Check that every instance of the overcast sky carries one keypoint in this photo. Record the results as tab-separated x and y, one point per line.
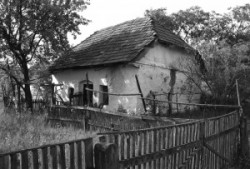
104	13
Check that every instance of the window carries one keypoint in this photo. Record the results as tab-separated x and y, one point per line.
70	92
87	96
104	97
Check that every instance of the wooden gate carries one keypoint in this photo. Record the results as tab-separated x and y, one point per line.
211	143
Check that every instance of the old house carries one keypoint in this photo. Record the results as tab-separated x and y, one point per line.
109	59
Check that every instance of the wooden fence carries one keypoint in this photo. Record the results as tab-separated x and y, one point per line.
95	119
73	154
40	104
211	144
204	144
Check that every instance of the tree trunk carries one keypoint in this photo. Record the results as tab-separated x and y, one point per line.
28	97
27	91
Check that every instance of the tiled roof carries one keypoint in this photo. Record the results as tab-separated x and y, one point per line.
116	44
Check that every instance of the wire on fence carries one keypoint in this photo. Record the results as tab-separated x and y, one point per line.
193	104
165	101
115	94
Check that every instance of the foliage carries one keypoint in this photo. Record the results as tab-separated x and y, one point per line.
33	33
223	41
22	131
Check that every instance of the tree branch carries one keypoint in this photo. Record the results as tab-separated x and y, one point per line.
20	22
12	76
32	55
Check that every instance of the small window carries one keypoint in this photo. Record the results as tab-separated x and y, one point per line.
88	95
104	97
70	92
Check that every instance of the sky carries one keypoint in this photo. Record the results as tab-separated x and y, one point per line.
105	13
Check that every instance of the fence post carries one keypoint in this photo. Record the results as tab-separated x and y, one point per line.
106	156
139	88
243	137
202	140
243	127
53	99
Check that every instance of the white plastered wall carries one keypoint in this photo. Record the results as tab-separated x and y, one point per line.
119	79
154	74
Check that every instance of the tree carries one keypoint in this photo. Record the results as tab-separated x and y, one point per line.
223	40
33	32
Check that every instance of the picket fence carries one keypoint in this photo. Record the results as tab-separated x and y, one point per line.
211	143
72	154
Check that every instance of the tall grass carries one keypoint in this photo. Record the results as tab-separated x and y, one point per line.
22	131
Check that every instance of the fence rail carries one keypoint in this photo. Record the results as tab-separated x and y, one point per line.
72	154
94	119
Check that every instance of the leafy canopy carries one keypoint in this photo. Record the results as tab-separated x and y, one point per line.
34	32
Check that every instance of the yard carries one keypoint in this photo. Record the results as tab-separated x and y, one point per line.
26	131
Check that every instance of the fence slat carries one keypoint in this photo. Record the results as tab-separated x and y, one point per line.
61	156
72	155
53	156
3	162
25	159
89	153
122	146
35	158
79	154
14	161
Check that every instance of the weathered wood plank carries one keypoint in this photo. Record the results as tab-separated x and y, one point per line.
61	156
44	158
14	161
35	158
25	159
72	156
3	162
53	156
122	146
89	153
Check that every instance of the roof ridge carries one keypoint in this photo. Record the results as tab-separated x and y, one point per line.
178	38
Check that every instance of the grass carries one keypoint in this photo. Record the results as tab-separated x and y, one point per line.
22	131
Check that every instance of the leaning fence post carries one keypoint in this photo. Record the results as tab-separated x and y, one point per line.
106	156
139	88
243	136
244	152
202	141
